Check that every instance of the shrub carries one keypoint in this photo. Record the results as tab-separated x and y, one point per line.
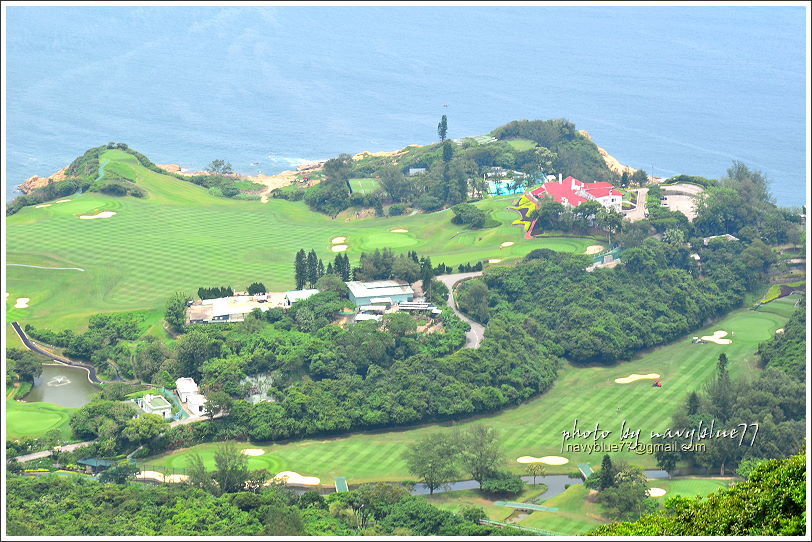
503	483
397	209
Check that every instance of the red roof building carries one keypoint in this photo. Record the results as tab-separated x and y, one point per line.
572	192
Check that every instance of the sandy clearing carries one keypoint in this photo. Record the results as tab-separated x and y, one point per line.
656	492
22	303
175	478
494	260
42	205
252	451
717	337
150	474
507	244
339	248
593	249
294	478
103	214
337	240
399	230
62	201
634	377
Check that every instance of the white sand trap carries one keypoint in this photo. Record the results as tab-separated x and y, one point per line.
634	377
252	451
41	206
340	248
656	492
151	475
62	201
717	337
294	478
399	230
103	214
507	244
547	459
494	260
778	331
175	478
22	303
337	240
593	249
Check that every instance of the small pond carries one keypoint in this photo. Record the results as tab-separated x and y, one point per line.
62	385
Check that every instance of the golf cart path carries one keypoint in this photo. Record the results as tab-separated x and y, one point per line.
477	331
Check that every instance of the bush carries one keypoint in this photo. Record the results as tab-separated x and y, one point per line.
397	209
503	483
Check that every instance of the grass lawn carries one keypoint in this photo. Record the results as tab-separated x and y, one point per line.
575	514
453	501
34	419
689	486
534	428
364	186
181	238
522	144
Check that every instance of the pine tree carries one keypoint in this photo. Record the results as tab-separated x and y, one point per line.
320	269
442	128
301	269
330	269
607	476
312	268
692	407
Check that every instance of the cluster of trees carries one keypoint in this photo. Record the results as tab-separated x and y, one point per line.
465	213
639	178
773	401
308	268
74	506
332	194
787	351
622	490
436	460
23	366
609	314
215	292
553	215
771	502
104	344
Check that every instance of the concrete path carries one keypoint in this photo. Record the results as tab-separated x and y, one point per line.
474	336
639	212
46	453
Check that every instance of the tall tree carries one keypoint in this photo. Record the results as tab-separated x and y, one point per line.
607	476
442	128
312	268
301	269
480	451
432	459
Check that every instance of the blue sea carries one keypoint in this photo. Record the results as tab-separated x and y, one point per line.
667	89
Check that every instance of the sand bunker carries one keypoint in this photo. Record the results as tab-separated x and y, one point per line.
252	451
340	248
103	214
494	260
62	201
399	230
633	377
294	478
656	492
41	206
507	244
547	459
717	337
778	331
22	303
593	249
337	240
175	478
159	477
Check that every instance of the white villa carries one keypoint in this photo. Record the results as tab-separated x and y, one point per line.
155	404
189	393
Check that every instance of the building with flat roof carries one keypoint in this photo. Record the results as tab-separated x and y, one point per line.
232	309
363	293
293	296
189	393
155	404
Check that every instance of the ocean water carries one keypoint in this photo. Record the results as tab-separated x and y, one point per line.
667	89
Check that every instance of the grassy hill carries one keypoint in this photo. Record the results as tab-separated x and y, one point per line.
179	237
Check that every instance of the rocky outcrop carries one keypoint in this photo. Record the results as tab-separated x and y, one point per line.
35	181
611	162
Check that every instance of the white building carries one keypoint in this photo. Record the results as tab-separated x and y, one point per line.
196	404
385	292
189	393
293	296
155	404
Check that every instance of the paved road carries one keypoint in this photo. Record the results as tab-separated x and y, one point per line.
639	212
34	347
46	453
474	336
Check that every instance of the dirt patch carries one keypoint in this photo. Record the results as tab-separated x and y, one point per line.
717	337
635	377
593	249
339	248
103	214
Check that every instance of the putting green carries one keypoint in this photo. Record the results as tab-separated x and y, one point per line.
180	238
33	419
207	451
535	427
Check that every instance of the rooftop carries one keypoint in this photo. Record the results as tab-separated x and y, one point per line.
156	402
380	288
186	385
298	295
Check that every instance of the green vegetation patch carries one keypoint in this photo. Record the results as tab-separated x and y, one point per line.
364	186
522	144
35	419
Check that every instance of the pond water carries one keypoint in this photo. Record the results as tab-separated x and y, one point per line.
62	385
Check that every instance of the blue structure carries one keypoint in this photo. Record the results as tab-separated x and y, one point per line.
502	188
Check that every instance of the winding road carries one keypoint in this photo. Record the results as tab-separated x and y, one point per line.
34	347
477	331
